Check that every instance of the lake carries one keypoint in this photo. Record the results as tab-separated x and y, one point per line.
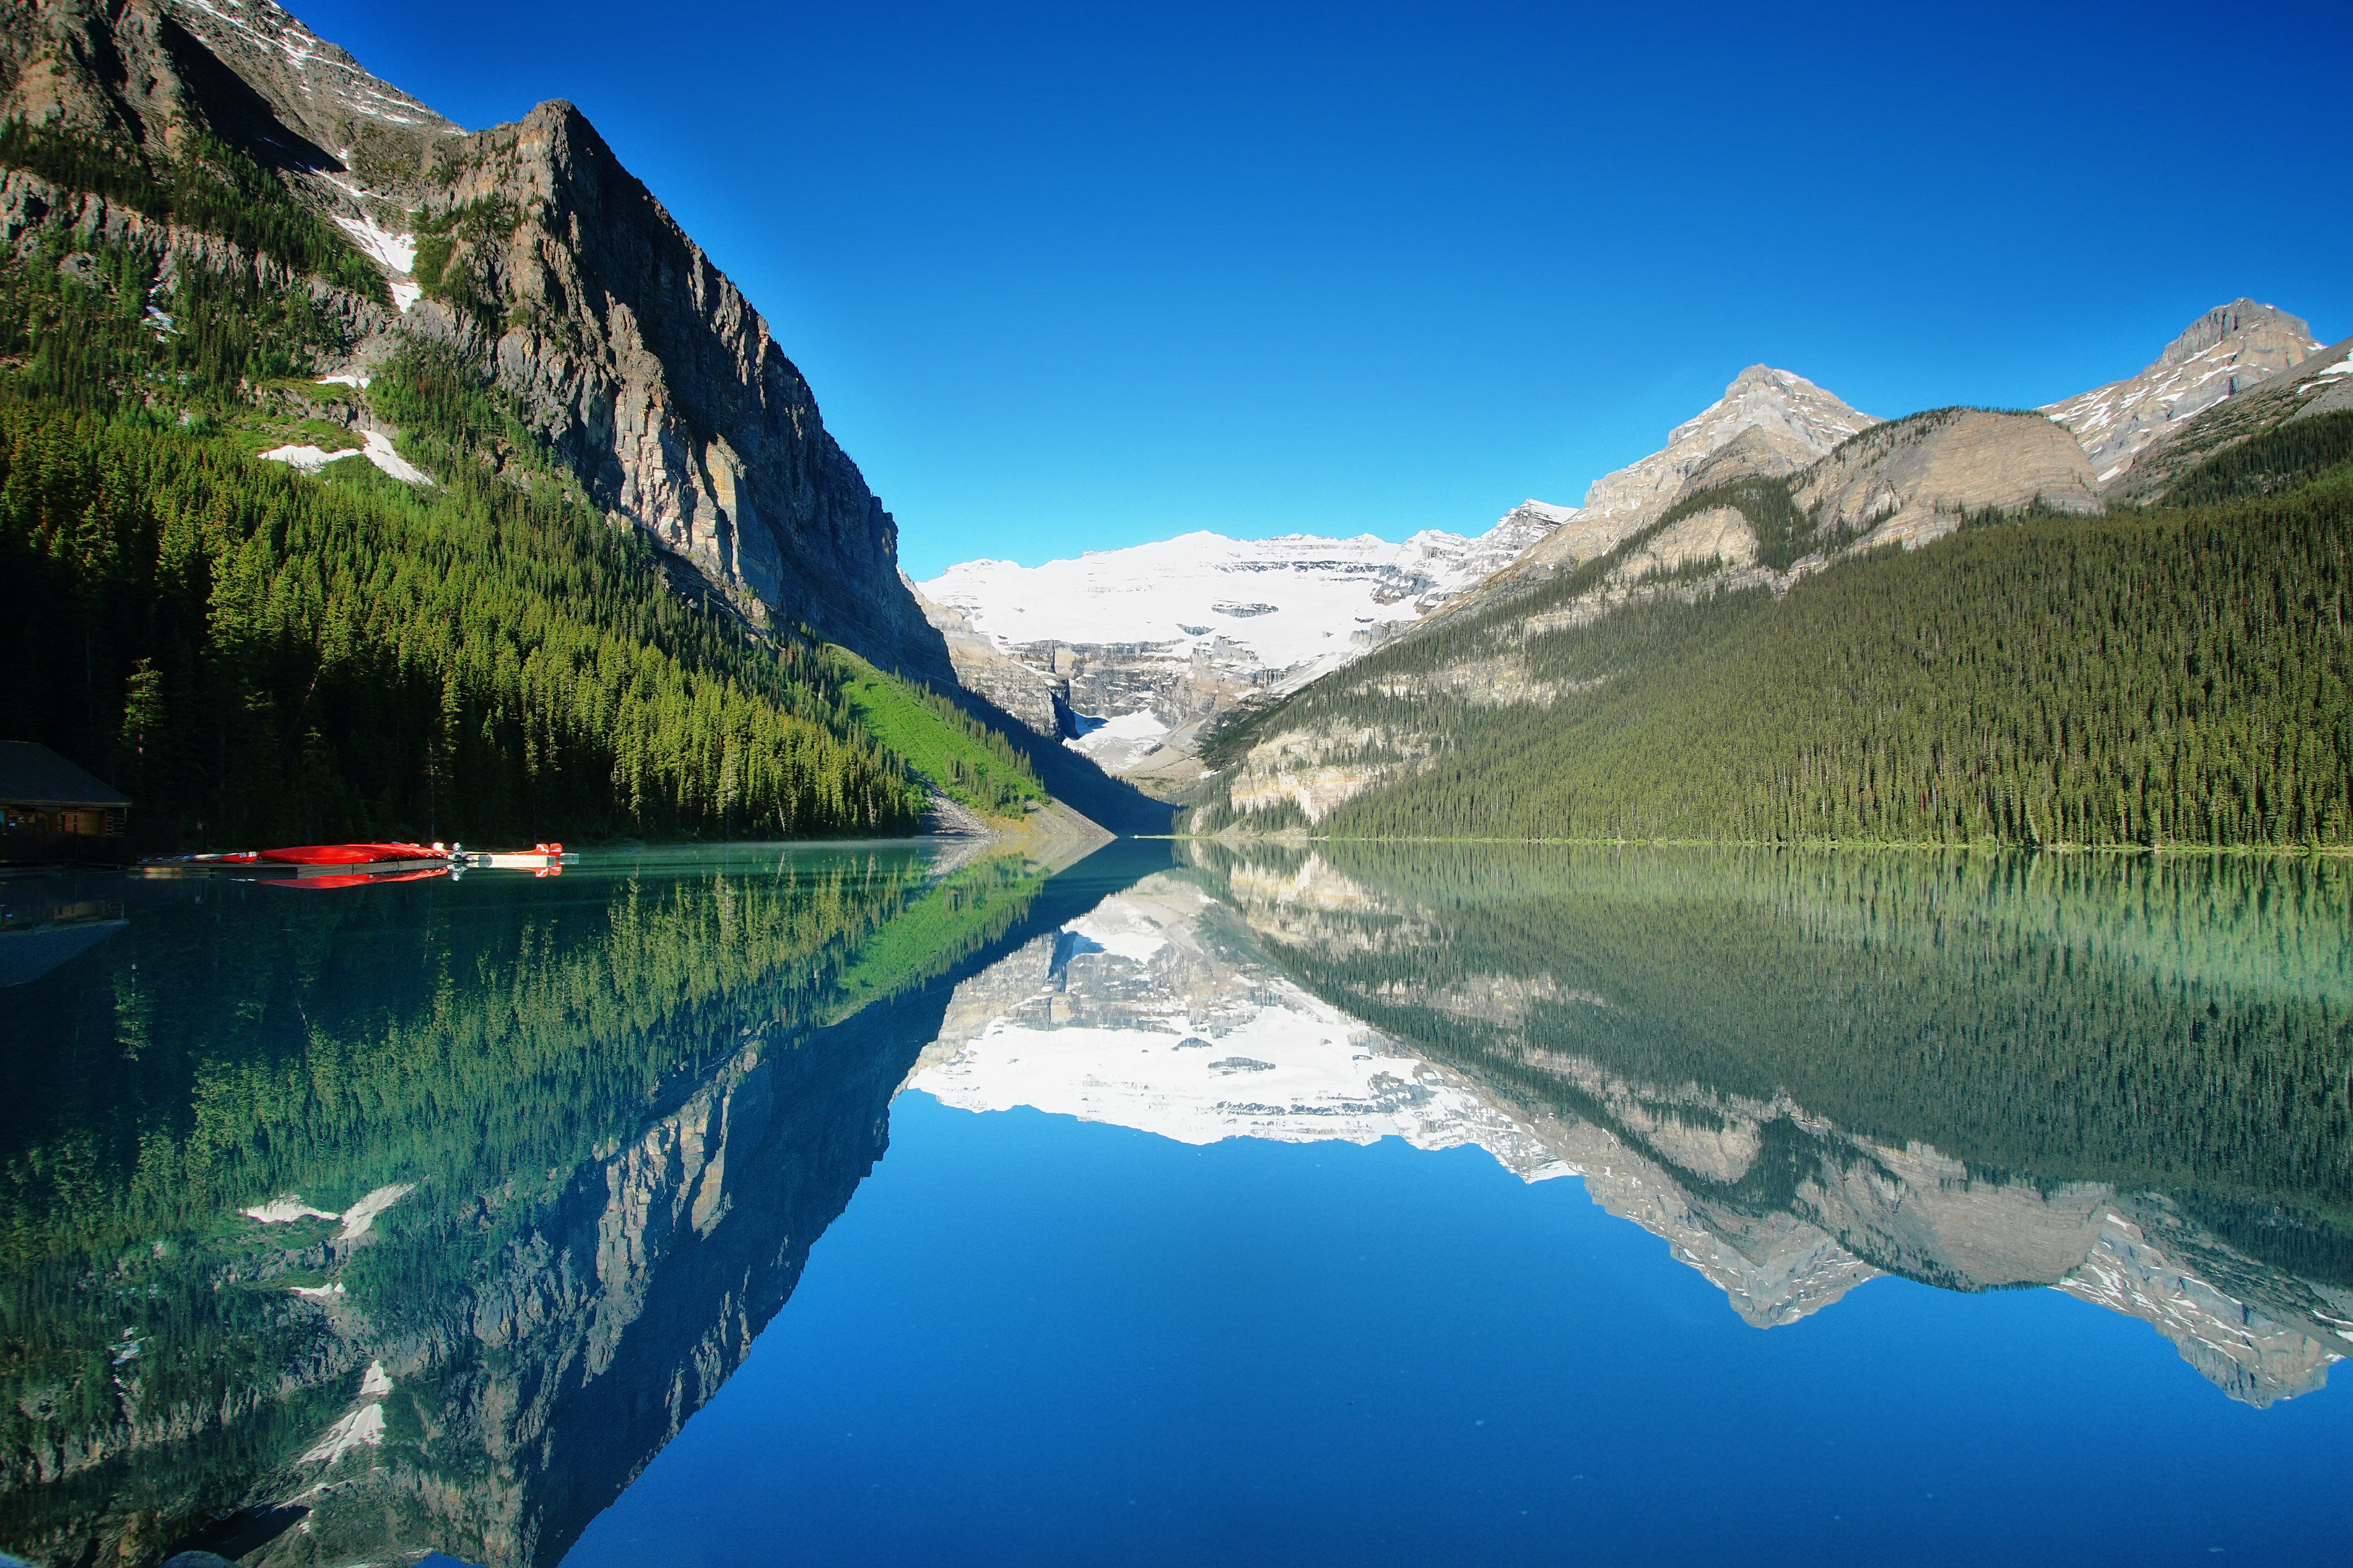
1377	1204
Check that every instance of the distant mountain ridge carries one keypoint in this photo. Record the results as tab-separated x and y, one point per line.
1652	683
1769	424
1156	638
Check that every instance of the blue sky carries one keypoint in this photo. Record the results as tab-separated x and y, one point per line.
1074	278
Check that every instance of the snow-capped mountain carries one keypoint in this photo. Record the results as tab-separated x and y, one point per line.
1127	651
2228	349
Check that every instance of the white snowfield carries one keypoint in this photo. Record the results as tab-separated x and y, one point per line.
1301	603
378	448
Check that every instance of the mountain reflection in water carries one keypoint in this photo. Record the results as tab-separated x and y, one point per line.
2123	1078
423	1217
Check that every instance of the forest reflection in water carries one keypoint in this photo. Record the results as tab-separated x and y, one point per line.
426	1216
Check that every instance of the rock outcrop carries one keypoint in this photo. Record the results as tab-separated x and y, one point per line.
2231	349
647	371
1914	480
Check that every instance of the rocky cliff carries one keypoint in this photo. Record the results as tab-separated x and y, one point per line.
529	252
647	371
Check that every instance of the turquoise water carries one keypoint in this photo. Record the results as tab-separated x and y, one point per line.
861	1205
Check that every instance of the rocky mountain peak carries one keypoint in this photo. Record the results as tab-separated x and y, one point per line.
1780	421
313	85
1782	404
2228	349
2241	319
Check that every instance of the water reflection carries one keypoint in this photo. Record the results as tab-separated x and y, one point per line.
343	1227
2125	1079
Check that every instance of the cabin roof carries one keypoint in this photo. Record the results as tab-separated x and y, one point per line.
32	774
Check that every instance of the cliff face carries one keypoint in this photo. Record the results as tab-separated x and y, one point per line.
648	371
1914	480
545	264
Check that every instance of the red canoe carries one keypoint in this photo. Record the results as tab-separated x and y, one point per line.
352	854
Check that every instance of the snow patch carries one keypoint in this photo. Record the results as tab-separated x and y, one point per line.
393	252
363	1428
309	459
380	453
361	1216
349	378
285	1208
378	450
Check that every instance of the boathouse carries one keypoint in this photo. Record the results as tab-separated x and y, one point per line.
51	809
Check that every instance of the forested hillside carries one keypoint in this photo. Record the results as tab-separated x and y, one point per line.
2174	676
258	654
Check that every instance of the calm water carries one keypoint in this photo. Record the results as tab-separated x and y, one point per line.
858	1205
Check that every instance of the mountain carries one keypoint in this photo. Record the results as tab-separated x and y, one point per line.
530	251
2229	350
1750	654
2321	386
583	428
1126	653
1767	421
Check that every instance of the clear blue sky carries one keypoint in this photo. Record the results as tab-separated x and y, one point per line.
1074	278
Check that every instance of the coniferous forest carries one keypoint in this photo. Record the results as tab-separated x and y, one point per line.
254	654
2181	675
